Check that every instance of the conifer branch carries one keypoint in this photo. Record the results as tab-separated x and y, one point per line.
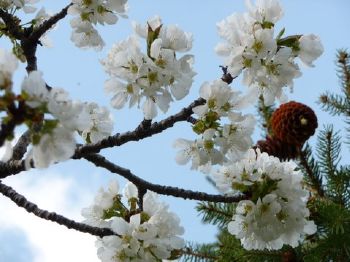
328	150
30	207
310	168
216	213
334	104
265	113
343	59
200	253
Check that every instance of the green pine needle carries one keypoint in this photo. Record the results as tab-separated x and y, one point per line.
216	213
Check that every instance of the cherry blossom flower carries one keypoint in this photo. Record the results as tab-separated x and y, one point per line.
90	13
156	78
268	65
152	234
277	213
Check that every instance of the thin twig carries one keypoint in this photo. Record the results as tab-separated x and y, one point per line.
46	25
21	201
29	44
101	161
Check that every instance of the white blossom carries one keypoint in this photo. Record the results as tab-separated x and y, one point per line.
130	191
57	146
155	78
148	235
25	5
71	114
6	151
265	10
35	87
101	123
236	136
268	65
310	49
84	35
220	98
217	142
8	64
276	215
94	214
67	116
90	13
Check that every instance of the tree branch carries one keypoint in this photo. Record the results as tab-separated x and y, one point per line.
30	207
46	25
145	129
141	132
101	161
12	25
11	167
21	146
29	44
6	130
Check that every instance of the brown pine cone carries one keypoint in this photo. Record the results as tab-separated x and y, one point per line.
293	123
278	148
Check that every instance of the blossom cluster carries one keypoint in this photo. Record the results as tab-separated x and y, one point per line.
52	117
158	76
267	62
217	142
150	234
8	65
90	13
276	214
25	5
57	140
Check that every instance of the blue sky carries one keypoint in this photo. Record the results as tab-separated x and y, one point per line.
69	186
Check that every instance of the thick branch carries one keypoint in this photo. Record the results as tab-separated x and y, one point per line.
6	129
21	146
21	201
141	132
100	161
12	25
11	167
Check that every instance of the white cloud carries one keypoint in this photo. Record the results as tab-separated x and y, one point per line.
49	241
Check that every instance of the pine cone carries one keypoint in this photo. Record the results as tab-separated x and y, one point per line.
293	123
278	148
289	256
